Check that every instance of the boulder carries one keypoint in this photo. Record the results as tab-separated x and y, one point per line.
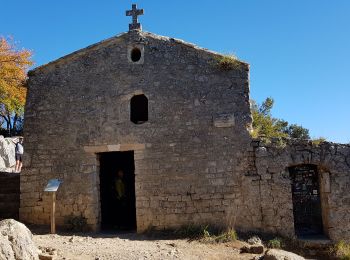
254	241
7	151
2	164
16	241
255	246
6	252
277	254
253	249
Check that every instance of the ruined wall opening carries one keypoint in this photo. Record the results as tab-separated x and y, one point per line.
306	200
139	109
117	191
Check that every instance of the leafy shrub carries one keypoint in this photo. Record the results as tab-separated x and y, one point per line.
275	243
318	141
76	223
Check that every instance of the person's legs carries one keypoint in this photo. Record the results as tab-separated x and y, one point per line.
18	161
20	166
17	165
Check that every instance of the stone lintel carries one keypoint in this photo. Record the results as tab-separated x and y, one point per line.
113	148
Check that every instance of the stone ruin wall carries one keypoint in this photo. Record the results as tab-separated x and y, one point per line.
267	196
187	156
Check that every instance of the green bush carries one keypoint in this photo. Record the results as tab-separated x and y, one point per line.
76	223
318	141
275	243
265	126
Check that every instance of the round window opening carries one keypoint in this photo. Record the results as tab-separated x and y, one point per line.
135	54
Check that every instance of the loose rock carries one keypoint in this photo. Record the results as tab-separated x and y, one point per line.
277	254
253	249
16	241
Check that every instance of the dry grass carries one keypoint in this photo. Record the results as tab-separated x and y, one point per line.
342	250
228	62
207	234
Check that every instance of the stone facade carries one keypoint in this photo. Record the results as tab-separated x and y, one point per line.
195	161
187	156
268	198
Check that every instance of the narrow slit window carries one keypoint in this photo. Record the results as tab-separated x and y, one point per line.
139	109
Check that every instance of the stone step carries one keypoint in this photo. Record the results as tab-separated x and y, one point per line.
8	175
316	247
9	211
4	205
7	215
9	189
9	197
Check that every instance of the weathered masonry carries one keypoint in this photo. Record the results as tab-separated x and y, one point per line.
298	189
163	105
163	117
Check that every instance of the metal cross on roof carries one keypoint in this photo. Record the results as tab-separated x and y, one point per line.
135	25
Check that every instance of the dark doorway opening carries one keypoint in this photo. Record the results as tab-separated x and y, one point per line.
118	203
306	200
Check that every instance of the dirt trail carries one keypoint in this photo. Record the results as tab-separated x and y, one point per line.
133	246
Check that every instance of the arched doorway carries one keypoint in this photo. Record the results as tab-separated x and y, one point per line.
306	200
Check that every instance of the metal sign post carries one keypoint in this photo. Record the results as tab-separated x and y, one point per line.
52	187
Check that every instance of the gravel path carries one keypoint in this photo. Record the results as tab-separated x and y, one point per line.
133	246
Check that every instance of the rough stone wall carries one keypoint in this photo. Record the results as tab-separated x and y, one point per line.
187	156
268	197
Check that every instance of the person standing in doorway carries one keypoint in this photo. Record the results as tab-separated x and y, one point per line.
120	186
121	199
19	150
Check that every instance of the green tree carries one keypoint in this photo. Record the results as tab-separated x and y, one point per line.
297	131
265	125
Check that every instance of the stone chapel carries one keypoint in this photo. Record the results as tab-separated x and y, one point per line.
164	112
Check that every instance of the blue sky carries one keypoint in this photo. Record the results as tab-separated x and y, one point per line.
299	51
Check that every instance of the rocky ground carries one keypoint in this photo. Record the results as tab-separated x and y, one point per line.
18	242
133	246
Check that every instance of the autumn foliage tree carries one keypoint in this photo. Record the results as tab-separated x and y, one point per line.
13	68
